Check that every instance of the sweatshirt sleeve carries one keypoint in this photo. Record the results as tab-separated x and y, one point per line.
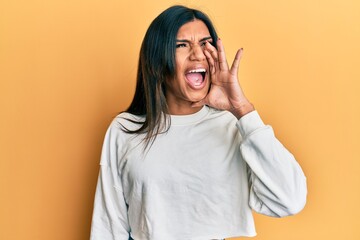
110	221
277	182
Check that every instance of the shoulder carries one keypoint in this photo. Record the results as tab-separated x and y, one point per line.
119	131
121	127
118	139
126	121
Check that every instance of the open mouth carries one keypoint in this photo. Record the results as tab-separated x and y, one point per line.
196	77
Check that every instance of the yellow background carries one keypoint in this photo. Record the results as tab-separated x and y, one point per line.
67	67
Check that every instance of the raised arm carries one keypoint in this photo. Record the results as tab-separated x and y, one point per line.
277	182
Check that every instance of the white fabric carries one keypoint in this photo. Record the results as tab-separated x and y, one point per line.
198	181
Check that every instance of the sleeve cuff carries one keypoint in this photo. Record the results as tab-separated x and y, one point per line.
249	123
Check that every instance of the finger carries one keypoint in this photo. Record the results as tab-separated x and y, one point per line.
210	61
236	63
222	57
212	50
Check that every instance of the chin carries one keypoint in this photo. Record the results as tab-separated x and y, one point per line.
198	97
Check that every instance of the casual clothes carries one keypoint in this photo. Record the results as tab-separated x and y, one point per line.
197	181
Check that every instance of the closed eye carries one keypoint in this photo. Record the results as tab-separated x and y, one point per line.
180	45
204	43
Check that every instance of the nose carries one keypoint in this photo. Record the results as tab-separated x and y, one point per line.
197	53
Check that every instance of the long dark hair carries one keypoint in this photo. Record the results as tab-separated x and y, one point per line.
156	63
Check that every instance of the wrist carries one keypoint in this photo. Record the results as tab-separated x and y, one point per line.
242	109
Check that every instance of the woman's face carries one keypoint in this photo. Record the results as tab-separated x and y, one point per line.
191	82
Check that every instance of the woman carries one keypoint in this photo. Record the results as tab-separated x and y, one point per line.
190	158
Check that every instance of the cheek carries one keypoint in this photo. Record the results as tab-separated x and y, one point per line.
180	60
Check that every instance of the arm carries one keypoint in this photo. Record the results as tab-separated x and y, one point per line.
109	221
277	183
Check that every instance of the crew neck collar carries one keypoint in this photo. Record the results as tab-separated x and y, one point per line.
178	120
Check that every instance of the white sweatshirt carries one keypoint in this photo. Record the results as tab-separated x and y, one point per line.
198	181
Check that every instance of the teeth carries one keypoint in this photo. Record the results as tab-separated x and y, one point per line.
201	70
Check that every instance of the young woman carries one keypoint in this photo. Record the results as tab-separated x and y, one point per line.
190	158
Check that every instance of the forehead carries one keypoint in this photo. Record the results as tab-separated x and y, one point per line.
193	29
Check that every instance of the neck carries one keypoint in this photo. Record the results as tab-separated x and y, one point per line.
181	109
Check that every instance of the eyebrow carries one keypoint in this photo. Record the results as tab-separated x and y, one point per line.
201	40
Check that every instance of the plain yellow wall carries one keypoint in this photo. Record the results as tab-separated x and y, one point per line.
67	67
